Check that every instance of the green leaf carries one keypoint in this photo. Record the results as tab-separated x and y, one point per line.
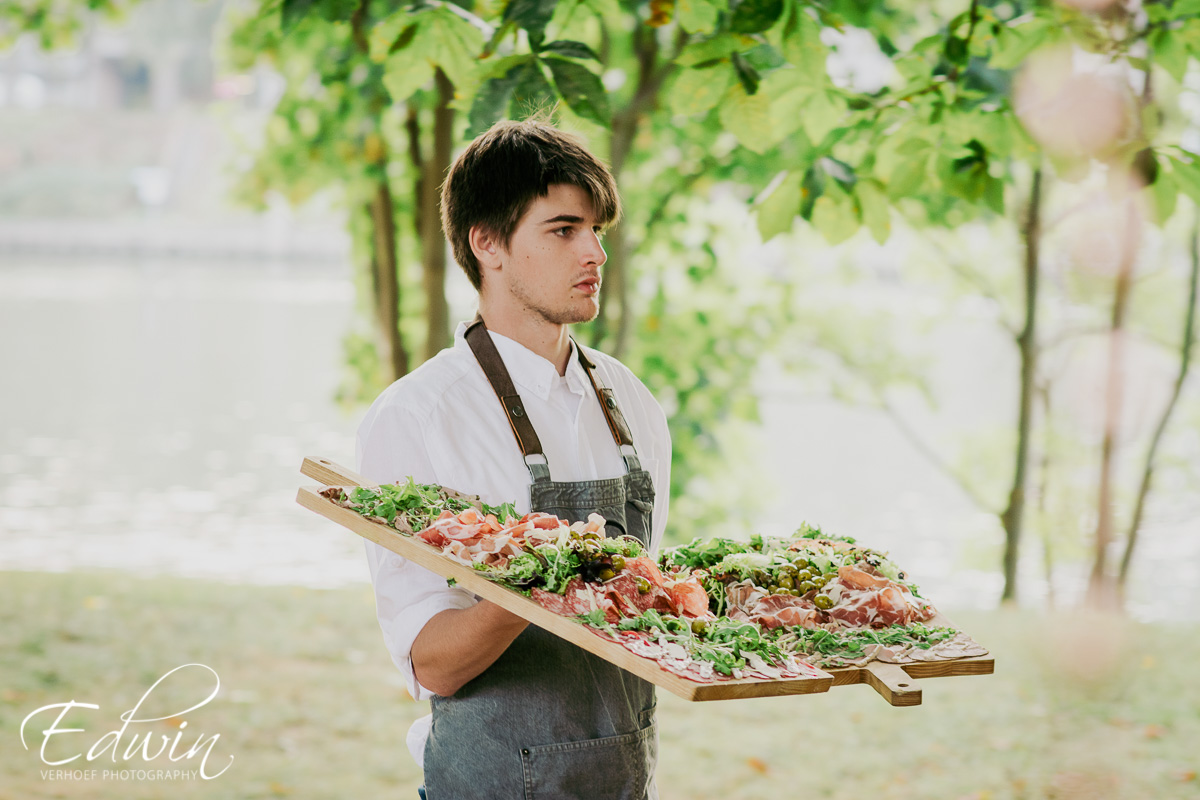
491	100
697	16
747	74
1164	192
295	10
697	90
811	188
1170	53
452	43
1014	43
1187	176
1185	8
571	49
874	205
777	211
754	16
406	71
748	117
833	215
993	194
910	176
582	90
532	15
532	92
822	112
705	50
799	41
787	106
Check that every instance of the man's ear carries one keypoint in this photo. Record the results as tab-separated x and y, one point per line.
485	247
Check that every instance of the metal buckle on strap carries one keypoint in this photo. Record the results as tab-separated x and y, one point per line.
538	466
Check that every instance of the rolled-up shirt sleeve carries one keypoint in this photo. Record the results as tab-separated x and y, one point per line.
391	447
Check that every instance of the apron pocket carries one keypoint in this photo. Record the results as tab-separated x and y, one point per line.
612	768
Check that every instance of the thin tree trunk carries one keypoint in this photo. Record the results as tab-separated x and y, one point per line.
1185	360
433	248
1043	394
615	309
1013	515
1101	586
392	356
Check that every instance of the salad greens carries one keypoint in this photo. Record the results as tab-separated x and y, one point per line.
723	642
416	503
832	648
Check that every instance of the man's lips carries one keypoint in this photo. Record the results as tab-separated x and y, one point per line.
588	285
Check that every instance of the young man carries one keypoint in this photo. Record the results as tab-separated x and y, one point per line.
516	411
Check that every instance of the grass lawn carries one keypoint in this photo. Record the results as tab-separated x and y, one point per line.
310	705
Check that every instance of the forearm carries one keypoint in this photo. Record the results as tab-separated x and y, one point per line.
456	645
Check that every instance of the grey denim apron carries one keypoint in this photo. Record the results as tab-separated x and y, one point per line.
548	719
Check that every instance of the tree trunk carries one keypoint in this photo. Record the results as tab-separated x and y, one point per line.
615	316
433	248
392	357
1013	515
1101	591
1043	395
1185	359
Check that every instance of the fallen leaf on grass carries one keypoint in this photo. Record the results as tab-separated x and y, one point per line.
758	765
1185	775
1153	731
280	790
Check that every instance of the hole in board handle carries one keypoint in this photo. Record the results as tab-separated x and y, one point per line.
902	685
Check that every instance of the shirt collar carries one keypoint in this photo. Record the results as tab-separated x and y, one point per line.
528	369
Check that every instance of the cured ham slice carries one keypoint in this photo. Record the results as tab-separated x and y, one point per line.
689	596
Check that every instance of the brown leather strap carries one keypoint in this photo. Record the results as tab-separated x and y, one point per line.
608	404
497	374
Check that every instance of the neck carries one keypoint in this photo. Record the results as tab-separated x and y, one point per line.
547	339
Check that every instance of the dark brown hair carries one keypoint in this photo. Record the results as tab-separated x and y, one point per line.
494	181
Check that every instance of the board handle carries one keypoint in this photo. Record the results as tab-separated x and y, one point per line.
331	474
893	684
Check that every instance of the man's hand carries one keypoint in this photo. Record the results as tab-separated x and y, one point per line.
458	644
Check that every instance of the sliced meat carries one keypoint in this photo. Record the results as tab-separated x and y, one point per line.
690	597
777	610
646	568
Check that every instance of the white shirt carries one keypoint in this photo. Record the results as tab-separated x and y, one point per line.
443	424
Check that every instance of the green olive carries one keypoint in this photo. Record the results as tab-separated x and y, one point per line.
806	586
821	580
823	602
643	585
618	562
606	574
804	575
786	582
699	626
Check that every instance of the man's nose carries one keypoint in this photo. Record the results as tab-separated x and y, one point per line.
594	250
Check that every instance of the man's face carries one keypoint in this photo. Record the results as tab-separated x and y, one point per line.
552	265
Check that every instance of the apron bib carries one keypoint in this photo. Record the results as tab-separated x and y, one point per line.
549	719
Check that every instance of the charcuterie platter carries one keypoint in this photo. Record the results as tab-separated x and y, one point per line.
659	620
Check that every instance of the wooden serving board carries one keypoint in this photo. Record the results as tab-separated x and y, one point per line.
431	558
892	681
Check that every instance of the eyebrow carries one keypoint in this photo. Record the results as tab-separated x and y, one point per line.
563	218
